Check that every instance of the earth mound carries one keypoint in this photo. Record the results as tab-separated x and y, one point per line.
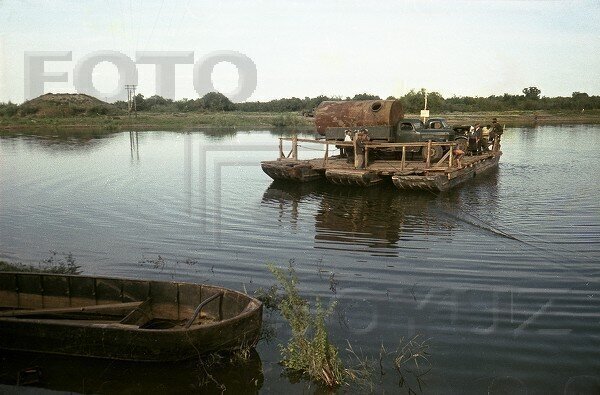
67	104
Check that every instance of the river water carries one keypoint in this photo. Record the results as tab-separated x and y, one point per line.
500	277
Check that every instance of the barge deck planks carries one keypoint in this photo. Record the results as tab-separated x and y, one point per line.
413	175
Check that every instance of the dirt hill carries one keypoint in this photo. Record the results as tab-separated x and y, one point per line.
66	105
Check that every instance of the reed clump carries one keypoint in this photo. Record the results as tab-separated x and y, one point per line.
308	351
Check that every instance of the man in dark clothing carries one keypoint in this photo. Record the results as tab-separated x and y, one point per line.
362	137
478	133
496	131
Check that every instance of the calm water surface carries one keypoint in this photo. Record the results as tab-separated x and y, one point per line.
501	275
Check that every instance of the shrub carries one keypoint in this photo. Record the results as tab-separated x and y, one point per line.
285	120
8	109
97	110
27	110
309	351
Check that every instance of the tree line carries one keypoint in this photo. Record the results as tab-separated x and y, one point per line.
413	101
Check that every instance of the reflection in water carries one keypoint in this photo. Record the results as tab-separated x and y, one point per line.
99	376
217	134
134	146
287	196
58	139
376	219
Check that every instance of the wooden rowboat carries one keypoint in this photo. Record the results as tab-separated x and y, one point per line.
123	319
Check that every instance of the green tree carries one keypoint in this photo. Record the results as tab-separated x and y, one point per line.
532	93
435	101
413	101
140	103
215	101
366	96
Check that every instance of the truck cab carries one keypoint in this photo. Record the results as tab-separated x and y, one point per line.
414	130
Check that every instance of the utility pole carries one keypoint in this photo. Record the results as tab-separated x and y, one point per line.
425	111
131	105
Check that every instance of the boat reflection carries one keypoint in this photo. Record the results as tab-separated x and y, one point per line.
99	376
379	220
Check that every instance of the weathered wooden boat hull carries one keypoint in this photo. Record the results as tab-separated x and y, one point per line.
445	181
404	174
352	177
89	316
290	171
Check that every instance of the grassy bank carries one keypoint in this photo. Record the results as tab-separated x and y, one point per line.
102	124
155	121
525	118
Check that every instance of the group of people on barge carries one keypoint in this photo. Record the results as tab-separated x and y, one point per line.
480	138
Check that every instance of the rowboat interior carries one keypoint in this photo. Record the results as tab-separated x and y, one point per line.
134	304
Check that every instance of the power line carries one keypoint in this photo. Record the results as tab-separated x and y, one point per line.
131	105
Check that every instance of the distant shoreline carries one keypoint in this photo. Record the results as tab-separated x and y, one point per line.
148	121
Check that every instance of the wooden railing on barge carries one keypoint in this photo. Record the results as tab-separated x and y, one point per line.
449	157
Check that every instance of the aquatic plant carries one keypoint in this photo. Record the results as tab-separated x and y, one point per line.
308	351
55	264
270	298
411	361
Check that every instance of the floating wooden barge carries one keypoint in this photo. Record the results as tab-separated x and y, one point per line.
123	319
383	161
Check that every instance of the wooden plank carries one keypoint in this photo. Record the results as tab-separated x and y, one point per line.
108	291
83	290
403	163
101	308
295	147
9	290
56	292
443	158
355	145
281	154
30	290
370	144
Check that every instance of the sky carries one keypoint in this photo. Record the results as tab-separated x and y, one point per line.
326	47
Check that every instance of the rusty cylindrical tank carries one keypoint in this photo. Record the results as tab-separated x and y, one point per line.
355	113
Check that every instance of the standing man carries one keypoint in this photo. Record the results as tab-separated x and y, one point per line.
478	138
361	138
495	132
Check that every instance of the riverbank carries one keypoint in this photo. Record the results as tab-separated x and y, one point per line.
260	120
153	121
526	118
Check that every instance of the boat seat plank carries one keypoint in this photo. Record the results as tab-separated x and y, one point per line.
116	308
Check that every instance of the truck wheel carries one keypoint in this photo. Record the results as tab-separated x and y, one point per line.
436	153
462	144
